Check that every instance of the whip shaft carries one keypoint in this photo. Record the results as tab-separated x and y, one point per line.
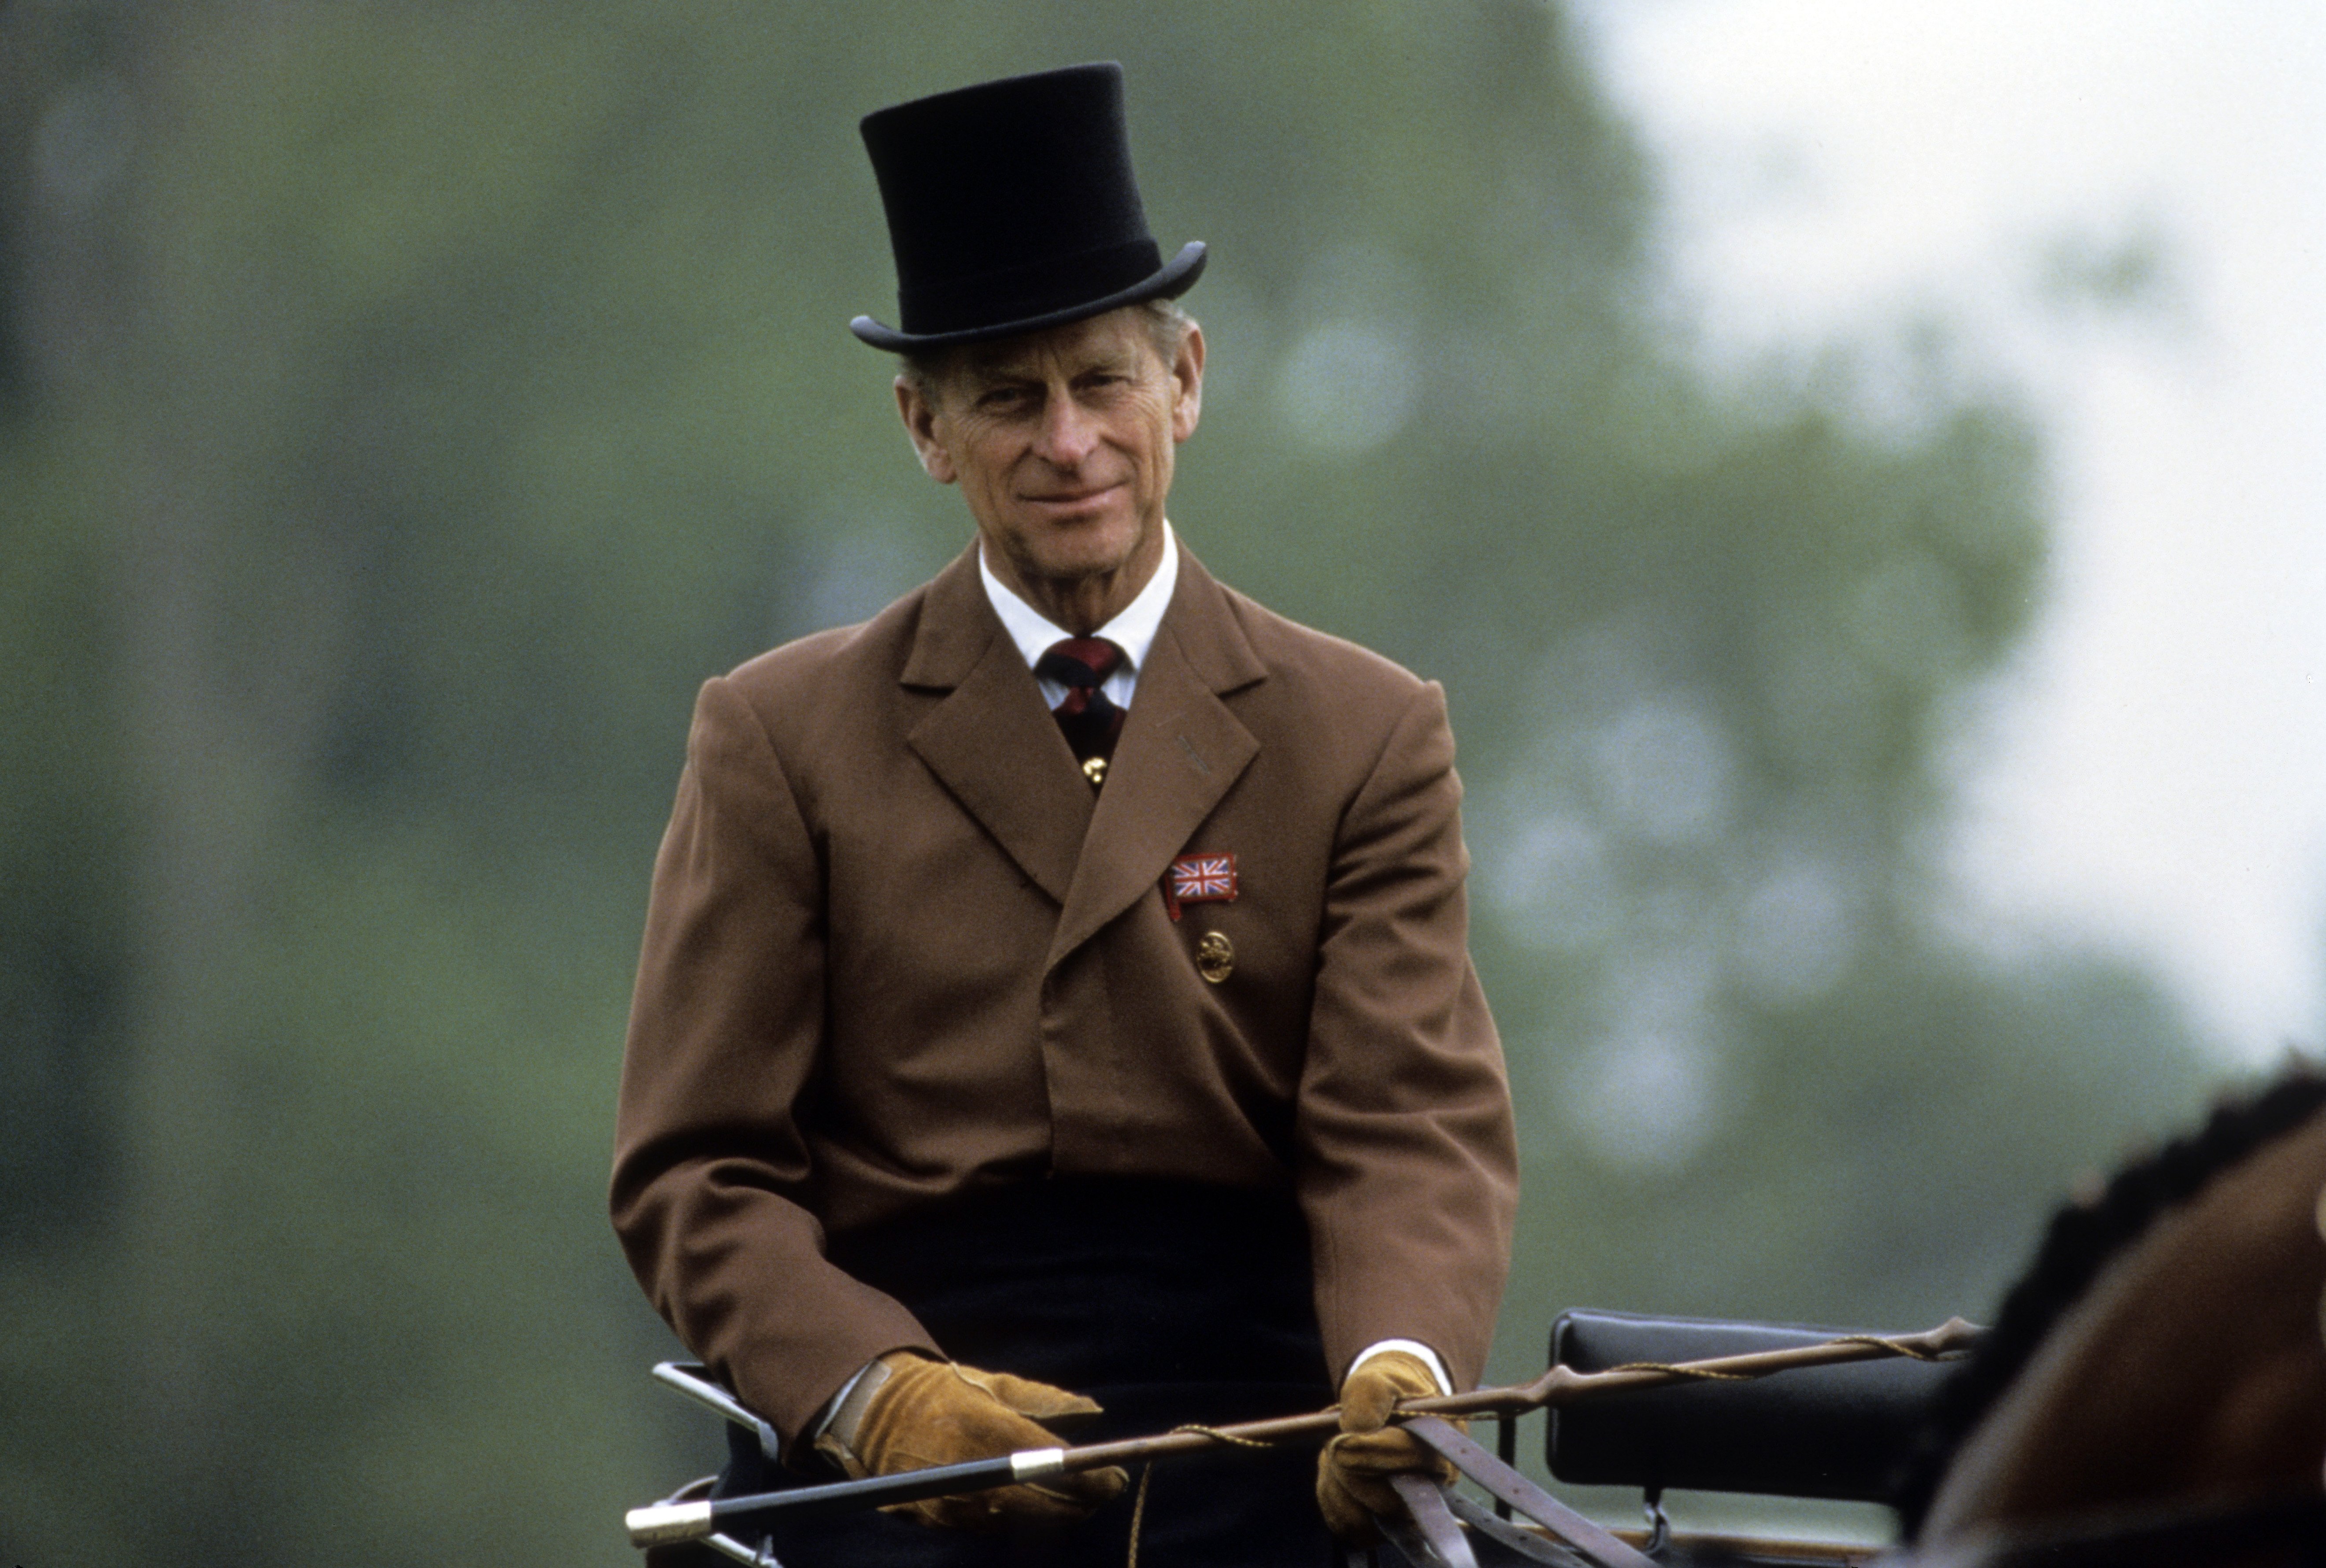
665	1524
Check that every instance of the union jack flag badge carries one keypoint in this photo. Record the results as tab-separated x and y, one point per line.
1199	879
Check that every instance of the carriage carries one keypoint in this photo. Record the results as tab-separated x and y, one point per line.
2152	1394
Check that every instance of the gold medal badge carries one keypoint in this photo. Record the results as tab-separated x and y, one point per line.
1215	957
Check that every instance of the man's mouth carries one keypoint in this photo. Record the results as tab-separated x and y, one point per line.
1070	498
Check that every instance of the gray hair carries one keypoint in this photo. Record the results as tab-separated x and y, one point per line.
926	372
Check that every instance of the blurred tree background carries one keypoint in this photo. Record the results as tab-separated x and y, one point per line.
402	407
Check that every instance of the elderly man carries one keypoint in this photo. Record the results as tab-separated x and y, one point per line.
1055	1016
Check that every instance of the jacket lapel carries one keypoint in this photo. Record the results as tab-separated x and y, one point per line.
1180	751
990	741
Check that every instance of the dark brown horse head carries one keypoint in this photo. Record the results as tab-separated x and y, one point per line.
2186	1370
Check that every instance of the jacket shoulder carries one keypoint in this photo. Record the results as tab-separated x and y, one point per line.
1309	661
817	666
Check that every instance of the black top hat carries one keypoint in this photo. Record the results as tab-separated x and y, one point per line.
1011	208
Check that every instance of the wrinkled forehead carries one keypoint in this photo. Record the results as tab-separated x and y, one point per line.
1117	338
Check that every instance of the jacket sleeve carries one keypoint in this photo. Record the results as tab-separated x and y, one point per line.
1408	1156
710	1171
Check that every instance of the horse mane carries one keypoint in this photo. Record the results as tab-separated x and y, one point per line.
2081	1239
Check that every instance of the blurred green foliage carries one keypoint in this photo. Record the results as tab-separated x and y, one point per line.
408	406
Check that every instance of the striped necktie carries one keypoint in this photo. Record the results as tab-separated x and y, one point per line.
1088	717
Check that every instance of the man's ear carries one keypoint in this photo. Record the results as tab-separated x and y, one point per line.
1187	378
920	416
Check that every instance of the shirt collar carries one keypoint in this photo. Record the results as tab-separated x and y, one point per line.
1133	631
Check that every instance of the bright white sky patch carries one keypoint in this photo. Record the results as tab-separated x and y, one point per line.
2153	775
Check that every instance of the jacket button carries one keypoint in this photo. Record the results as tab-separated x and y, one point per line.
1215	957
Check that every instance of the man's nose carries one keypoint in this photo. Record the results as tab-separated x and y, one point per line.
1068	433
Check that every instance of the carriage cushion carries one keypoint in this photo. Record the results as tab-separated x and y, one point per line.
1821	1432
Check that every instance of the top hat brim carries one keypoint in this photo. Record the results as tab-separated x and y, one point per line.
1173	278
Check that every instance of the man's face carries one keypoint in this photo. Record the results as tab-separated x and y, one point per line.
1062	443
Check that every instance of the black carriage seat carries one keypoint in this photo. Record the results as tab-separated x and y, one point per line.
1821	1432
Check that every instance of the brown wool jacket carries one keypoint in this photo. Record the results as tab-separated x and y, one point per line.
897	947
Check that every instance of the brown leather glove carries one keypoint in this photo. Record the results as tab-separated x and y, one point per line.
930	1412
1354	1469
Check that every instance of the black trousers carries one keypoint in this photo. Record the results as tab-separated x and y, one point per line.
1168	1302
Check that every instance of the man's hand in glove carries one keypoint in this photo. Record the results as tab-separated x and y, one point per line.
1353	1472
926	1412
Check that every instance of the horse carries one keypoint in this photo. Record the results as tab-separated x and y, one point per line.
2155	1386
